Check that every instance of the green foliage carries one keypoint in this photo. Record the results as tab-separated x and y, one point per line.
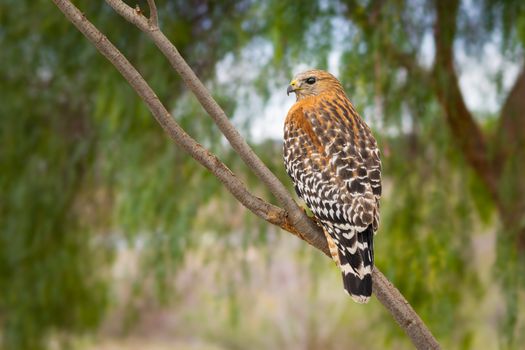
85	169
78	154
49	276
430	248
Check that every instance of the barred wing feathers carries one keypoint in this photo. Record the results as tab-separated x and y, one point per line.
333	160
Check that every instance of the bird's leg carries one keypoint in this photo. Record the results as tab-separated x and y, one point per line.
311	217
333	248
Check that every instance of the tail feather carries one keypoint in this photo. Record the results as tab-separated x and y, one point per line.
359	290
357	267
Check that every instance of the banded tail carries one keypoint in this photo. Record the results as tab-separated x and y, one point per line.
353	252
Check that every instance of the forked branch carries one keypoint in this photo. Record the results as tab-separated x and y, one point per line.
153	16
293	219
261	208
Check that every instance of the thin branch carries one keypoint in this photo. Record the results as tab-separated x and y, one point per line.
386	293
271	213
296	214
153	16
397	305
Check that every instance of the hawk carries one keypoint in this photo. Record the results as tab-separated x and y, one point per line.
333	160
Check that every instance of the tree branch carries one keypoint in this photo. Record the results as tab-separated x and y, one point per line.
271	213
509	160
153	16
511	129
296	214
386	293
467	133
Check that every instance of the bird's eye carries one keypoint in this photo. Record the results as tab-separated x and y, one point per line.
310	80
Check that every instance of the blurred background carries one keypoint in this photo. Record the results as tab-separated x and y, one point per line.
112	238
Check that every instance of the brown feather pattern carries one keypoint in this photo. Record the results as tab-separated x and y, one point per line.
333	160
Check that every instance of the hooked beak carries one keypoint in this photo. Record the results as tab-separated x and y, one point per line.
292	87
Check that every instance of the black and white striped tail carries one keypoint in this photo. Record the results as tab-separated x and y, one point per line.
357	264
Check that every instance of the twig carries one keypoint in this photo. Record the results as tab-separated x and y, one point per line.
153	16
386	293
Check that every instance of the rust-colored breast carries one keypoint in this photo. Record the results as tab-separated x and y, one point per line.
299	124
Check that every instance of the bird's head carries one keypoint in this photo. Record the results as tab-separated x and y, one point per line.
313	83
